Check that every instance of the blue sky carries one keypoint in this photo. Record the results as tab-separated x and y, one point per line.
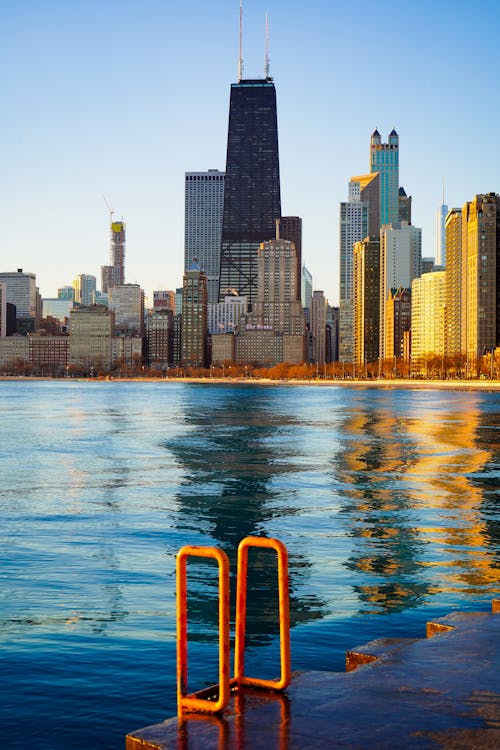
121	98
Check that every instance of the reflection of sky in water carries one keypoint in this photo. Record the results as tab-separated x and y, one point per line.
387	501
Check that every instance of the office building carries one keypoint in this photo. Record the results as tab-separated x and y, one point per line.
66	292
203	204
159	338
404	202
384	159
400	263
126	301
84	286
3	310
164	299
194	317
91	337
318	327
56	308
441	215
366	300
21	291
290	228
252	201
359	218
306	288
225	317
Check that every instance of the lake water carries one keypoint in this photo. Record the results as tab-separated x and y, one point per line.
387	500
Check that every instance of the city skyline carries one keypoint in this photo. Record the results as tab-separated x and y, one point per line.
85	119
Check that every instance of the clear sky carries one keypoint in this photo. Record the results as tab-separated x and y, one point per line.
121	98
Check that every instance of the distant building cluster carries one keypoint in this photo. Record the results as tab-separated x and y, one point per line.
248	299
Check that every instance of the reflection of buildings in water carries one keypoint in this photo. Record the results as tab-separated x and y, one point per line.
387	550
396	471
229	463
452	454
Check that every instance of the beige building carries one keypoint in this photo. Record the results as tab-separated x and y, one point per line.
14	350
366	300
91	337
428	305
274	331
223	348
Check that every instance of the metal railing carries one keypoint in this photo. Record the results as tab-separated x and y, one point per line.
203	701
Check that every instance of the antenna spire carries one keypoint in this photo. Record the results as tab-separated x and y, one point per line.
240	60
266	59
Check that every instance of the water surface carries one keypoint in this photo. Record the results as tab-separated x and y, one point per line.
387	501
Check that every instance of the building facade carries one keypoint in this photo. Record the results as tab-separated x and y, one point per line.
203	205
428	327
84	286
384	159
126	301
319	307
91	337
366	300
194	318
21	291
400	263
252	201
225	317
454	339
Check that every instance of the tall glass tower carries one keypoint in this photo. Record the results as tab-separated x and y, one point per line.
384	158
252	200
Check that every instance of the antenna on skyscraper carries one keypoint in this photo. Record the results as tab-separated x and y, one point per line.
240	60
266	59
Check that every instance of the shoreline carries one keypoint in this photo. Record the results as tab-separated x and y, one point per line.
492	385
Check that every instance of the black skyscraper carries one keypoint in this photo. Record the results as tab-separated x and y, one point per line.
252	189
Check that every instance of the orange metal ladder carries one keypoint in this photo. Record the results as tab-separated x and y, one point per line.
197	702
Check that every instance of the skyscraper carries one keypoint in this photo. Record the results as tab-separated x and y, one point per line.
454	339
441	234
84	285
194	317
203	203
366	300
428	297
290	228
252	201
384	158
359	218
118	251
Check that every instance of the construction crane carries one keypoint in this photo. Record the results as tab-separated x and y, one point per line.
111	212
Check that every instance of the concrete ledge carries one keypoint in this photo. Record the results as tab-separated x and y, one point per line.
440	693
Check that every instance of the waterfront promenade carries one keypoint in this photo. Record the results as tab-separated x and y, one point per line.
418	694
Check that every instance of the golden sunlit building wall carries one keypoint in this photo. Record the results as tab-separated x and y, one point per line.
453	283
428	295
481	255
366	300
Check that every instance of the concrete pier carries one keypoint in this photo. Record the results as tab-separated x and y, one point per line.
439	692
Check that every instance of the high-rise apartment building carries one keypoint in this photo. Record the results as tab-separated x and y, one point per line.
359	218
318	327
481	272
252	201
3	310
366	300
384	158
203	204
428	305
455	289
397	323
400	263
159	338
278	302
194	317
118	252
84	286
